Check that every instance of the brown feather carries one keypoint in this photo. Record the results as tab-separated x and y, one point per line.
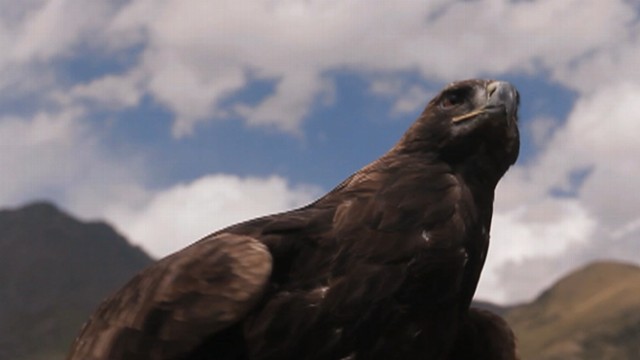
167	310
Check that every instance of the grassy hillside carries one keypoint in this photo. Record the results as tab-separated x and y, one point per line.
593	313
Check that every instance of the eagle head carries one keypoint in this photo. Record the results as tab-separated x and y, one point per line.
470	122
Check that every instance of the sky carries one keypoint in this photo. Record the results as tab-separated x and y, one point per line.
173	118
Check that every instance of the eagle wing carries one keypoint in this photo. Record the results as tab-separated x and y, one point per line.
168	309
484	335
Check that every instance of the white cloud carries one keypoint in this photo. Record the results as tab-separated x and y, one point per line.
542	229
542	129
408	98
413	100
599	135
111	91
36	34
56	155
199	52
533	229
175	217
196	53
289	104
57	26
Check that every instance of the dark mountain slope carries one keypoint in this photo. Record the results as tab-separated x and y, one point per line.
54	270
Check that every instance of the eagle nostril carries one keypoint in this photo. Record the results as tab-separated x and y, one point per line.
491	88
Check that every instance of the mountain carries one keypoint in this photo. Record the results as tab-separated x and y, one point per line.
54	270
593	313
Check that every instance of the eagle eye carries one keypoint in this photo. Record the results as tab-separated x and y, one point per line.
452	99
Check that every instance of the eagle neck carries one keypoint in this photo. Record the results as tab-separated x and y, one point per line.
481	178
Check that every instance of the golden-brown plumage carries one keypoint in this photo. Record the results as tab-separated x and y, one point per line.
382	267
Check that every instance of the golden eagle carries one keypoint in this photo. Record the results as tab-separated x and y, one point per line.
382	267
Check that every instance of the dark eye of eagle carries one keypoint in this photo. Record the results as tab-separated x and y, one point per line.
453	98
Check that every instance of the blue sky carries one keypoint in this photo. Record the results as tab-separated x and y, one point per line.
171	119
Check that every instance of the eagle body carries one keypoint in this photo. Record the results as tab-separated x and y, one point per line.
384	280
382	267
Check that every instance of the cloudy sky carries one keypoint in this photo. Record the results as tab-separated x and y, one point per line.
173	118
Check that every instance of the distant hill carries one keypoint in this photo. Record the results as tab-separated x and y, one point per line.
54	270
593	313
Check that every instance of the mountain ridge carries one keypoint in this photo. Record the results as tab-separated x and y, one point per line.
591	313
54	270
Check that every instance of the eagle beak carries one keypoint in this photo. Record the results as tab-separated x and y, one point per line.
499	94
